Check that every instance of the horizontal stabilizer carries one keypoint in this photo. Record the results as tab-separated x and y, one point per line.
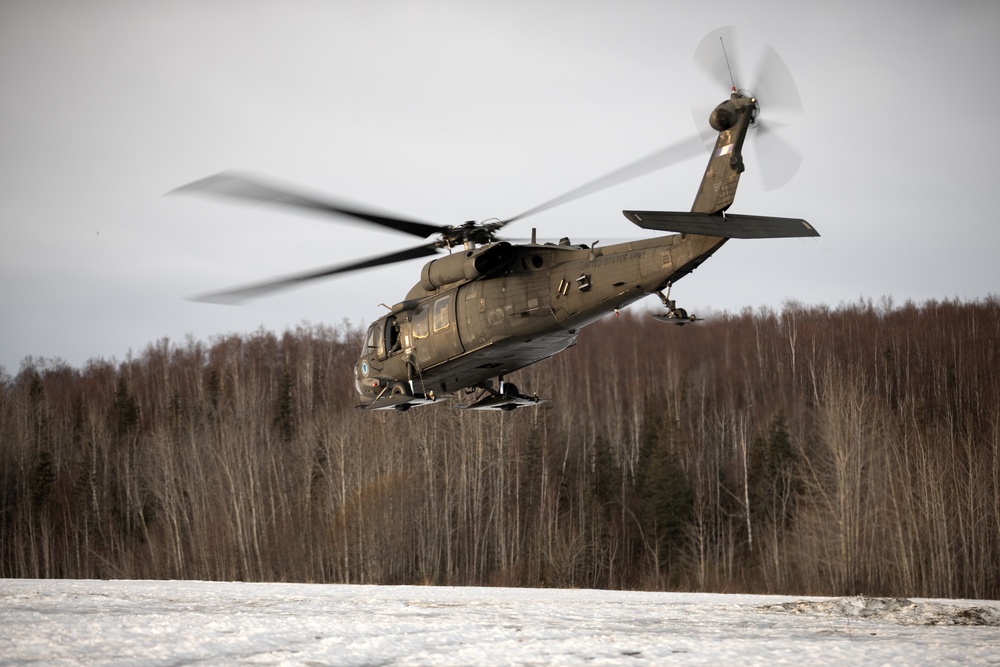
731	226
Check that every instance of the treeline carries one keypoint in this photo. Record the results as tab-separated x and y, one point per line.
807	451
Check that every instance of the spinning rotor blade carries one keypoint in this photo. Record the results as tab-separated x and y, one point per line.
774	84
236	295
779	160
780	98
236	186
665	157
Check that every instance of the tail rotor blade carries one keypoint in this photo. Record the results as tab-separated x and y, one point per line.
774	85
779	161
778	97
701	111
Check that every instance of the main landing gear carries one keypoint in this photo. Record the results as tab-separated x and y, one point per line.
674	315
506	398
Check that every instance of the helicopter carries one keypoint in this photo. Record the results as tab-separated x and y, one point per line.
491	306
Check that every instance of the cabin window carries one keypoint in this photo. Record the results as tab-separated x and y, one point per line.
420	325
440	318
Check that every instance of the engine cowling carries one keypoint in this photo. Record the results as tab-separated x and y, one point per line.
466	265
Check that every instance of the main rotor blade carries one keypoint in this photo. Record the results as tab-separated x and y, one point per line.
665	157
237	186
236	295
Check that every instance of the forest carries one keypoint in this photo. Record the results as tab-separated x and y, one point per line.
811	451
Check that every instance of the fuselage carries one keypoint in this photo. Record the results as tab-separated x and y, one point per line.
462	334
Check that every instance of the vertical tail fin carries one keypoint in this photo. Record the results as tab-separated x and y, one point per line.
731	119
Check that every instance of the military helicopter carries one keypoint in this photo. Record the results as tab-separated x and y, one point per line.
490	306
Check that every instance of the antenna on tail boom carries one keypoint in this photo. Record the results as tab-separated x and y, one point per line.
726	55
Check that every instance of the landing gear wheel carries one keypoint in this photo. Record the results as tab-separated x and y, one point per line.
509	389
401	389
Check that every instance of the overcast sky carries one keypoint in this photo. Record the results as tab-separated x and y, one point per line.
451	111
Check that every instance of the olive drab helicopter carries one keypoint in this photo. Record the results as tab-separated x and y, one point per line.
491	306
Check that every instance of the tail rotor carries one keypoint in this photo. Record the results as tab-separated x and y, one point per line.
772	85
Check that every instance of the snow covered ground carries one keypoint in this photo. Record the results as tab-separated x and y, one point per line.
184	622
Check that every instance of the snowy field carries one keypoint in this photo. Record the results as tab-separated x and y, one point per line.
49	622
